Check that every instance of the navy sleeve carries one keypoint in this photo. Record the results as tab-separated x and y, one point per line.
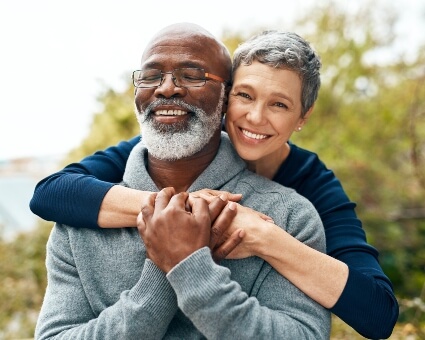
73	195
367	303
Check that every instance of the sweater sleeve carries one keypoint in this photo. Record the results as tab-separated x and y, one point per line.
67	313
367	303
272	309
221	310
73	196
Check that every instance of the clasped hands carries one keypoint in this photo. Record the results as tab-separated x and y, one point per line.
175	225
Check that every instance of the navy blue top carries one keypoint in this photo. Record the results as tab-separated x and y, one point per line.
73	196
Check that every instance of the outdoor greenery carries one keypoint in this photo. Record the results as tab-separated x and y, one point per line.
368	127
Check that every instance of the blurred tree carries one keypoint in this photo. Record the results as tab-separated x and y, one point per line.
368	126
115	122
23	282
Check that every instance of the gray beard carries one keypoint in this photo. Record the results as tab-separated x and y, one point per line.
171	142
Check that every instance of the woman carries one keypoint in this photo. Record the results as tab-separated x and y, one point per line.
275	84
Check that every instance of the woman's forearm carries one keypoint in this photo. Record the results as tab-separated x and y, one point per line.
318	275
120	207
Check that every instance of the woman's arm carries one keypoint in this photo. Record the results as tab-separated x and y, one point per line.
120	207
85	195
307	268
367	302
349	279
352	286
75	195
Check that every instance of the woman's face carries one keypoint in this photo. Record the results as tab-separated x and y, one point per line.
264	109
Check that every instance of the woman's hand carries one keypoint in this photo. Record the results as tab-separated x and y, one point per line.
252	224
229	235
209	195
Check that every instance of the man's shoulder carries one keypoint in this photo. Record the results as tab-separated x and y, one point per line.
288	209
264	195
268	194
83	235
263	185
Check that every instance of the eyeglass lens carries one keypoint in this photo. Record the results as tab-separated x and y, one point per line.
182	77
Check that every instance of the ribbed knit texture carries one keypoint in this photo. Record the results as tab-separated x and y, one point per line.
102	287
73	196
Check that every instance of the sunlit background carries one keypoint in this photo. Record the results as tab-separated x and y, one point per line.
57	55
59	59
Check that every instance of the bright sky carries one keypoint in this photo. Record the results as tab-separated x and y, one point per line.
57	56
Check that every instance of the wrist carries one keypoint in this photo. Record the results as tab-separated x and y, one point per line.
120	207
260	237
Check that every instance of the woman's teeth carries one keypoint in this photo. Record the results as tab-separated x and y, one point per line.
253	135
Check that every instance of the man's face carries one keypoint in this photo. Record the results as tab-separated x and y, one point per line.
178	122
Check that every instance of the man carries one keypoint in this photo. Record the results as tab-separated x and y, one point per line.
160	281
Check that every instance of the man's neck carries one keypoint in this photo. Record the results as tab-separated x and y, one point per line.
181	173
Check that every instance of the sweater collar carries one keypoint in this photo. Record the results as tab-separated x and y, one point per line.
225	166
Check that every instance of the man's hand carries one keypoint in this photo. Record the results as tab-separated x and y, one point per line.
171	232
222	241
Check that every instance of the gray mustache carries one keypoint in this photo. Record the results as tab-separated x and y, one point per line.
178	102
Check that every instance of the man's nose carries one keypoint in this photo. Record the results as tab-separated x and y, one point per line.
168	88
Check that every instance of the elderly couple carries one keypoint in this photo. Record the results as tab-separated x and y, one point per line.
210	234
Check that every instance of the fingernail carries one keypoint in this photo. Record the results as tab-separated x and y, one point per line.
232	206
223	197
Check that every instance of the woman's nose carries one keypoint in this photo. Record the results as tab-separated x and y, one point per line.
256	115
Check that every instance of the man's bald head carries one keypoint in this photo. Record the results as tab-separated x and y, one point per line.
181	120
181	33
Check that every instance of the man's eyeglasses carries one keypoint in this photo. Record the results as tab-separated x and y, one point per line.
182	77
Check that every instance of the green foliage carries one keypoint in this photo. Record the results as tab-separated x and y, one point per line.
23	278
116	121
368	126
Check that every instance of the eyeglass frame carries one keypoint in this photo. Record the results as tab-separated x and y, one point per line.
207	75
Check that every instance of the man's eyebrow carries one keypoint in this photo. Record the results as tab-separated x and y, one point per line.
151	65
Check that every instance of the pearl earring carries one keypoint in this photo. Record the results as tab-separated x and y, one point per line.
299	128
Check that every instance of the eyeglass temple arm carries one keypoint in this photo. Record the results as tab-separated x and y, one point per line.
213	76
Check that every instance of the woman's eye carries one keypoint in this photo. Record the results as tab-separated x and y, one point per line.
282	105
243	94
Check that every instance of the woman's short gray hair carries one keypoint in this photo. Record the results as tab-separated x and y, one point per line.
284	50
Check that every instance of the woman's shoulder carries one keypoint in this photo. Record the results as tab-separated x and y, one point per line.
308	175
302	164
304	156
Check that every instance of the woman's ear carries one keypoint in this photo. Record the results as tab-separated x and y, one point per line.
304	120
308	113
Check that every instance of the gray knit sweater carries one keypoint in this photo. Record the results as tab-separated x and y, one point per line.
101	286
